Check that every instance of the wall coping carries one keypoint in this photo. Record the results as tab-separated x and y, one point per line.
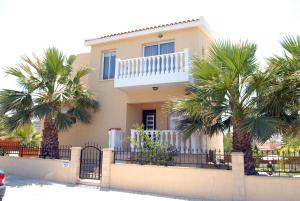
171	167
237	154
33	158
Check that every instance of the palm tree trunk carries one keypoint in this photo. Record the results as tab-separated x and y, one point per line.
242	143
50	144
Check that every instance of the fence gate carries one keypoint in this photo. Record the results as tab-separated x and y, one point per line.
91	162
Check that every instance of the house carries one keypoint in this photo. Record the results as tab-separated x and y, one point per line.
133	75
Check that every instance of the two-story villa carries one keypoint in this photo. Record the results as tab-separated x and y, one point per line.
133	75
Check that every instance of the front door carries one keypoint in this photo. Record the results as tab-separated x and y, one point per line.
149	119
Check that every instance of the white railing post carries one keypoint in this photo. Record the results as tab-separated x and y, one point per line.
171	137
193	143
132	139
125	66
177	139
186	59
162	133
117	68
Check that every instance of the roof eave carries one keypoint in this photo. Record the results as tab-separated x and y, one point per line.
201	23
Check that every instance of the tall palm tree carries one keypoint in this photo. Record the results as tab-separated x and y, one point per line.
229	92
284	100
49	91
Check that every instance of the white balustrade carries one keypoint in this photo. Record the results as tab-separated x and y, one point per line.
174	64
167	137
116	138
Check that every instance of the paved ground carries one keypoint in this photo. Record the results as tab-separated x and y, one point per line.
27	189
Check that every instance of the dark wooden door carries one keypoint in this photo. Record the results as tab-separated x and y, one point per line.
149	119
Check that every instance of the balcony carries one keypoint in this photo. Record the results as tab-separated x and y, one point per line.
160	70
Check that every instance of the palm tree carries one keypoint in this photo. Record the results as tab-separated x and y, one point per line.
229	92
49	91
284	100
26	134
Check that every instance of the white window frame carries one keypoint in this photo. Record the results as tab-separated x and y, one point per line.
158	43
102	65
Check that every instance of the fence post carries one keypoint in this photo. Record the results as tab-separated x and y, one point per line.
107	160
75	164
238	177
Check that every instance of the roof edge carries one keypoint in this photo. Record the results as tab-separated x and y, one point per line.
200	22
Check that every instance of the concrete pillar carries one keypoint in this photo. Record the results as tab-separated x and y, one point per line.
75	164
107	160
238	177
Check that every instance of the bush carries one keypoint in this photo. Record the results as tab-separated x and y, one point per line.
152	151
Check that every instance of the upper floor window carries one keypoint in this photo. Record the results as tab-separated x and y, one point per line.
109	64
161	48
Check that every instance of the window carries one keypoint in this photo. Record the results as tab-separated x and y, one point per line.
161	48
109	64
174	120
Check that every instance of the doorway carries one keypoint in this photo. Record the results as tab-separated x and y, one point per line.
149	119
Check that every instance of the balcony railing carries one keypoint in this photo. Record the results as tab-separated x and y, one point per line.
151	70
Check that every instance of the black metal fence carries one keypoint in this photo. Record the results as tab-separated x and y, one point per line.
277	163
17	150
177	157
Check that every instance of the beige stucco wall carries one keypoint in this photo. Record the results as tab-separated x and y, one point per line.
215	142
192	38
116	111
176	181
82	61
46	169
272	188
135	111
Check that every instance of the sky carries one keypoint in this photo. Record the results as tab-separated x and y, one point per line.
30	26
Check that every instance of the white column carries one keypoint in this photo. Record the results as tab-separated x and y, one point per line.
186	59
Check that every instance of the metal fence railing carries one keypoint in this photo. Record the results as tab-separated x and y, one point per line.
277	163
177	157
17	150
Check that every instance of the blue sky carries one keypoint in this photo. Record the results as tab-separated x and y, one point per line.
33	25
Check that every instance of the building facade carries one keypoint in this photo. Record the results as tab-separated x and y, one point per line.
133	75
